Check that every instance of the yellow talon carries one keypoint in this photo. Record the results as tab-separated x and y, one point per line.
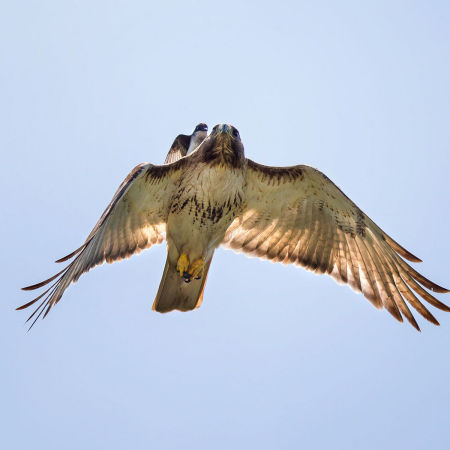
196	268
182	264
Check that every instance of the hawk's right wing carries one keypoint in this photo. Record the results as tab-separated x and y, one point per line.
133	221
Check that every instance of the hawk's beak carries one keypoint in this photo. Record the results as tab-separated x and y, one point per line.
224	129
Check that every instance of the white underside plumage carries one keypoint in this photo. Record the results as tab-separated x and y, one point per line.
208	188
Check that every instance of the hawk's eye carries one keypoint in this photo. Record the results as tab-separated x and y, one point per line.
215	128
235	133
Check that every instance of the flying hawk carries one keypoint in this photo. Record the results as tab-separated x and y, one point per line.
215	196
184	144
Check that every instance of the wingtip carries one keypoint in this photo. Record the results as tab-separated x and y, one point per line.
414	323
434	321
410	257
70	255
26	305
401	250
43	283
36	286
442	306
440	289
32	325
436	288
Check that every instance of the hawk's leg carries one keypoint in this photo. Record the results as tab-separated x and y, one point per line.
196	268
183	266
189	271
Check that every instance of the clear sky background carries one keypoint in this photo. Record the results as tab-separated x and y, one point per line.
276	357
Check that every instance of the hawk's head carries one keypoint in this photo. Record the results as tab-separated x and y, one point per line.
224	145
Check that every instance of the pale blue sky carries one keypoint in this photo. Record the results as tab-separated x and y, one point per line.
276	357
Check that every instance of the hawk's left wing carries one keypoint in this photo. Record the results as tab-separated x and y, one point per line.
297	215
134	220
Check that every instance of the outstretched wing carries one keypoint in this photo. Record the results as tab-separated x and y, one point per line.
179	148
297	215
134	220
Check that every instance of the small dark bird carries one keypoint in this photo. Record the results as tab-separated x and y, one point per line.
216	196
184	144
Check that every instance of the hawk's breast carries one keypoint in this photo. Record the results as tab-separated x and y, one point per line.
210	195
206	202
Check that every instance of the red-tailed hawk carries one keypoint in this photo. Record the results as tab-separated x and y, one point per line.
215	196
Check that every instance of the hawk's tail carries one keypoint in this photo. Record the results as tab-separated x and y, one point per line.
175	293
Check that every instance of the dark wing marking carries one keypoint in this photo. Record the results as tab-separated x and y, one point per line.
297	215
134	220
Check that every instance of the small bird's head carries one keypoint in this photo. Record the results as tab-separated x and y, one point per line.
225	145
201	127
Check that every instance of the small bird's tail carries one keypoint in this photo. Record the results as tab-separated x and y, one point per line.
175	293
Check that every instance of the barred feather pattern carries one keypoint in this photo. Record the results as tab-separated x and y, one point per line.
133	221
297	215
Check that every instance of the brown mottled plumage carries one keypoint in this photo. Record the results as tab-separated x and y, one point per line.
215	196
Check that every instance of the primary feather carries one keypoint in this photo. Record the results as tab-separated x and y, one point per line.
298	215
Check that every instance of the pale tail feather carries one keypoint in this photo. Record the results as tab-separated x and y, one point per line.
175	293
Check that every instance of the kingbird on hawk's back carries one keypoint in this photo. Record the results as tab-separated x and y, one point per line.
184	144
216	196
